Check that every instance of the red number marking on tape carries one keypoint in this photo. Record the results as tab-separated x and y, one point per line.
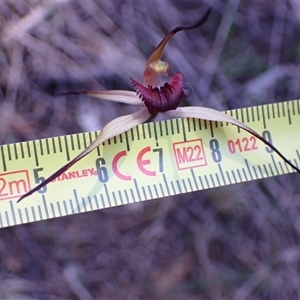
189	154
14	184
242	145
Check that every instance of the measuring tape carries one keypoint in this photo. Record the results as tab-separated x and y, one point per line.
150	161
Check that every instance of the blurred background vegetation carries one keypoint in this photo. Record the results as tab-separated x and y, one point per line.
235	242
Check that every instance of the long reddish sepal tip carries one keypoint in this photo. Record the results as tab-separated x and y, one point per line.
71	93
49	179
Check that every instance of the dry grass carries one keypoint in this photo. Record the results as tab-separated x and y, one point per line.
236	242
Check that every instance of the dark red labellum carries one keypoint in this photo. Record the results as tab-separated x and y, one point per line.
162	99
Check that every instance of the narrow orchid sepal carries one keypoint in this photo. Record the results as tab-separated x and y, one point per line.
210	114
111	129
128	97
150	76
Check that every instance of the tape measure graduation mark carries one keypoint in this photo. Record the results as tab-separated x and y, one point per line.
150	161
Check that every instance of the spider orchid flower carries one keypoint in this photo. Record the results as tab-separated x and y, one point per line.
153	99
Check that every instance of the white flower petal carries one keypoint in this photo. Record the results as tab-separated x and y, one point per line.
128	97
111	129
215	115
